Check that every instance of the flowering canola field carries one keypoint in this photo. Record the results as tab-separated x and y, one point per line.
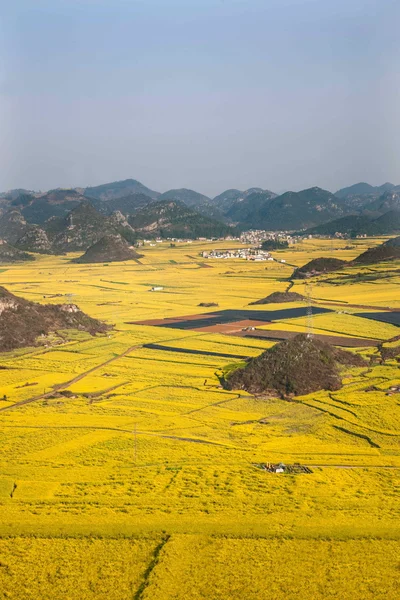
139	478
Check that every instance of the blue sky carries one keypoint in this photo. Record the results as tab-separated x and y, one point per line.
210	94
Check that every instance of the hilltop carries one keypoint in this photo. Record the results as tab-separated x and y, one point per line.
278	297
22	321
9	254
170	218
294	367
318	266
119	189
110	248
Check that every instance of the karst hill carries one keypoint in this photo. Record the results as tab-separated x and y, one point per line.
23	321
294	367
110	248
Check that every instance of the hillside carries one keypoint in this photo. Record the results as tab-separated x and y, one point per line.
227	199
35	239
295	367
22	321
78	230
168	218
119	224
55	203
318	266
110	248
12	225
119	189
200	203
389	250
388	201
357	189
127	205
244	211
290	211
354	225
359	195
9	254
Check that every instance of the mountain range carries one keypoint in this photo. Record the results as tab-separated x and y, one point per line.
130	209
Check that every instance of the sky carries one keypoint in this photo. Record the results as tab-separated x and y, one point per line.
202	94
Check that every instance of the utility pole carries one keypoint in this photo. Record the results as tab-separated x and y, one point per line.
309	310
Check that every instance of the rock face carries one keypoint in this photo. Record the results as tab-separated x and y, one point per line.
294	367
278	297
12	226
111	248
319	266
78	230
22	321
35	240
390	250
9	254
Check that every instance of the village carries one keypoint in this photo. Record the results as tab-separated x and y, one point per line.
254	254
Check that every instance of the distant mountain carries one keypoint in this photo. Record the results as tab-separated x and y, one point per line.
12	194
110	248
225	201
9	254
22	321
202	204
127	205
170	218
119	189
360	195
12	225
389	250
290	211
244	210
78	230
55	203
385	202
354	225
358	189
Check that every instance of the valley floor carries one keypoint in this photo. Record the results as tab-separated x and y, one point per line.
128	472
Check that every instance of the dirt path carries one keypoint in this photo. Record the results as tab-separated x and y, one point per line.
66	384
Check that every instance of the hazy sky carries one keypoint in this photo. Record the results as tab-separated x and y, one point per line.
205	94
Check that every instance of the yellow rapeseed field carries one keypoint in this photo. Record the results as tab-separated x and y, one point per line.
138	476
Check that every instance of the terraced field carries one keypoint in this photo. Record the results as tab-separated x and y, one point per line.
124	452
